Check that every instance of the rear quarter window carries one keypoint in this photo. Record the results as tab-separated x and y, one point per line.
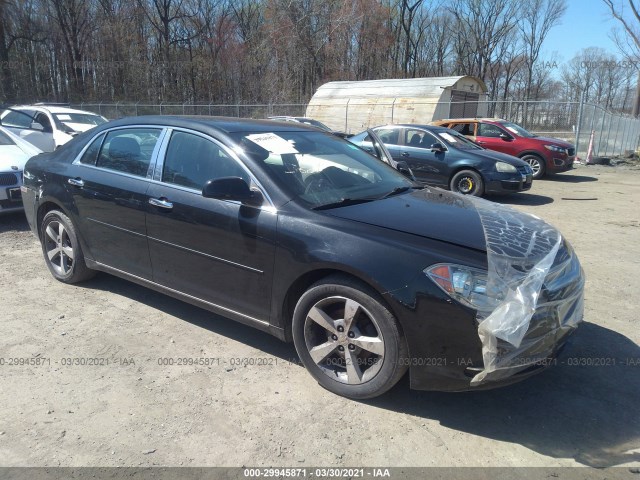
90	155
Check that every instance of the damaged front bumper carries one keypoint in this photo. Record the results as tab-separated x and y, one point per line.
538	286
558	312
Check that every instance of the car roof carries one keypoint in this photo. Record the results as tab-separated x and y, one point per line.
434	128
220	124
482	119
51	109
288	117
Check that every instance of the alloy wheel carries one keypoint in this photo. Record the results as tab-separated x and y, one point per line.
344	340
58	247
535	165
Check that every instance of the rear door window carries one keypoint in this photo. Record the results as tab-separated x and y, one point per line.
129	150
468	129
389	136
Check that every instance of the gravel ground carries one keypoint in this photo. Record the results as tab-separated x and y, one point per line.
127	409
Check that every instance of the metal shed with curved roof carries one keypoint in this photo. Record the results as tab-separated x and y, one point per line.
353	106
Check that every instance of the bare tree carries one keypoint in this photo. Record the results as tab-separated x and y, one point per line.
74	20
481	26
631	26
538	18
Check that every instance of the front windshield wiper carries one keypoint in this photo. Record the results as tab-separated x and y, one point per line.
343	202
399	190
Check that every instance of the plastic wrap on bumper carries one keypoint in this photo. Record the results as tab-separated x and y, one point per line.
537	286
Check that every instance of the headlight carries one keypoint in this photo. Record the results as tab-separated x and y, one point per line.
465	284
505	167
555	148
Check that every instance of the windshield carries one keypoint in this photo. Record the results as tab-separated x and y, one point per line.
321	170
457	140
83	118
518	130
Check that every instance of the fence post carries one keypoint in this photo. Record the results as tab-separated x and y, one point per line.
346	117
615	139
579	122
160	108
604	116
625	135
393	107
593	120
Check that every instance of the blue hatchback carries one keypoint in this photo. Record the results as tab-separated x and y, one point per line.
442	157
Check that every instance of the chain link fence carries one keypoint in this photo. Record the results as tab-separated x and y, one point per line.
613	133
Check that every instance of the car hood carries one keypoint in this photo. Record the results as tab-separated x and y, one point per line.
430	213
500	157
12	156
554	141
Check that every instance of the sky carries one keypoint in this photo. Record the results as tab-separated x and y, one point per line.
586	23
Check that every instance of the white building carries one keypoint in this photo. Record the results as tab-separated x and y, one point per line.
355	106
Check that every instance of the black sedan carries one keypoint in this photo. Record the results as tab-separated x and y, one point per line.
445	158
306	236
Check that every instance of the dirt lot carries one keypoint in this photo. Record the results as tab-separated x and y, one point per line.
134	411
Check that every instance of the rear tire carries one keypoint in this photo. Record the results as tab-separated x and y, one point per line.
348	340
61	249
467	182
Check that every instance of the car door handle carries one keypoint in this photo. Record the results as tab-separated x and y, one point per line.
76	182
161	202
480	142
405	154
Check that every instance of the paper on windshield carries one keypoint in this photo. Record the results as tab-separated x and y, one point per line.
272	143
63	117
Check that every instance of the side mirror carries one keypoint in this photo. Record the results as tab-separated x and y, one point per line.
437	147
37	126
505	137
404	169
232	188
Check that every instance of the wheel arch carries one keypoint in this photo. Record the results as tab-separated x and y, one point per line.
532	152
44	208
460	168
304	281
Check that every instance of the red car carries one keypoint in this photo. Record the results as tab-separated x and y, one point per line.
544	154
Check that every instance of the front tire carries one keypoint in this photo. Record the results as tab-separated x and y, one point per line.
537	165
348	340
467	182
61	248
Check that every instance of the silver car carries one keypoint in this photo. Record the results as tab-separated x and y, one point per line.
14	153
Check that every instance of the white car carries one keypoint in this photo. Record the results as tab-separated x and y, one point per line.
14	153
48	126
